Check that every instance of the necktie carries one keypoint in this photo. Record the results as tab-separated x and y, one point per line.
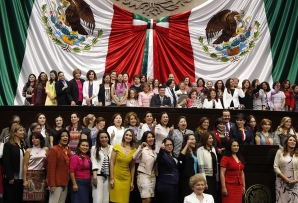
242	135
174	98
161	101
227	127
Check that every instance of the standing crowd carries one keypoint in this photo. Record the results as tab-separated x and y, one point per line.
140	160
116	90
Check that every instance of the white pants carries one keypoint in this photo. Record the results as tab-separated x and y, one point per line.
101	194
59	195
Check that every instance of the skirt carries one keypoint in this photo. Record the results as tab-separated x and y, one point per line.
146	184
36	186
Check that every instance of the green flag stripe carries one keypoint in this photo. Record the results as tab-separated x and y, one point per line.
282	19
146	51
163	19
14	23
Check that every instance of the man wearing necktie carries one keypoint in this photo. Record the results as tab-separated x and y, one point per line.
226	116
160	99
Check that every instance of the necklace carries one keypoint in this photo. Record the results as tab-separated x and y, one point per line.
200	198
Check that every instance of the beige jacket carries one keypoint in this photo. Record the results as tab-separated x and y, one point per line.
278	166
147	159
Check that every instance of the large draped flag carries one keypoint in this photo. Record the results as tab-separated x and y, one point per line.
216	40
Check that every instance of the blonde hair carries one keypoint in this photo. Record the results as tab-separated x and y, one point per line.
87	119
196	178
282	125
14	128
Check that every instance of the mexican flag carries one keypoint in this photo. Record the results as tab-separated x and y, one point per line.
258	41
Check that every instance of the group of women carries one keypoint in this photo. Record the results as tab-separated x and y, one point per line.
134	161
116	90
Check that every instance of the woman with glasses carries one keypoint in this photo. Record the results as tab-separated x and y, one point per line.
167	184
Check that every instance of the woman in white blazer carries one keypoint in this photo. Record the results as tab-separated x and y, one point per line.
170	92
211	102
90	89
100	157
197	184
231	94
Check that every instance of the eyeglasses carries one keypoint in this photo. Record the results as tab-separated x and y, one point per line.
169	145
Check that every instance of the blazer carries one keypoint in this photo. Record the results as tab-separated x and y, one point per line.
192	198
97	164
278	164
102	95
218	142
209	104
146	158
57	167
61	95
170	95
228	98
187	165
237	134
11	160
167	168
205	162
72	90
95	92
155	101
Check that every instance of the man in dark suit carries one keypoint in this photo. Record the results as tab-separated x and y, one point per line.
226	116
160	99
61	90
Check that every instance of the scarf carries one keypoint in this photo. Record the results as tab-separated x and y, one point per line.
65	153
120	88
38	96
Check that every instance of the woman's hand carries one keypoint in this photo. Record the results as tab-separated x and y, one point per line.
243	190
224	191
144	144
112	182
25	184
52	189
113	134
131	186
11	182
171	130
219	151
162	146
94	182
75	188
154	123
141	125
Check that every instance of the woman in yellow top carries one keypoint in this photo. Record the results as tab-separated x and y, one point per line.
50	89
122	168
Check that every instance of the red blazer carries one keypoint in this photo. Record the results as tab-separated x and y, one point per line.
58	174
290	101
218	146
234	170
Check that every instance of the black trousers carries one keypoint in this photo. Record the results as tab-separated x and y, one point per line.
212	187
166	193
14	192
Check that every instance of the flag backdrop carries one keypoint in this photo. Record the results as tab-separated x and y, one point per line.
35	38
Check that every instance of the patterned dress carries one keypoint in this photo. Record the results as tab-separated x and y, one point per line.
74	139
284	193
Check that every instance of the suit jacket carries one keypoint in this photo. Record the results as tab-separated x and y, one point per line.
228	98
167	168
72	90
237	134
11	160
155	101
86	93
279	164
192	198
209	104
147	159
61	95
102	95
57	167
187	165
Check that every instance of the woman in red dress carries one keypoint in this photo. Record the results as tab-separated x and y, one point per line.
231	174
